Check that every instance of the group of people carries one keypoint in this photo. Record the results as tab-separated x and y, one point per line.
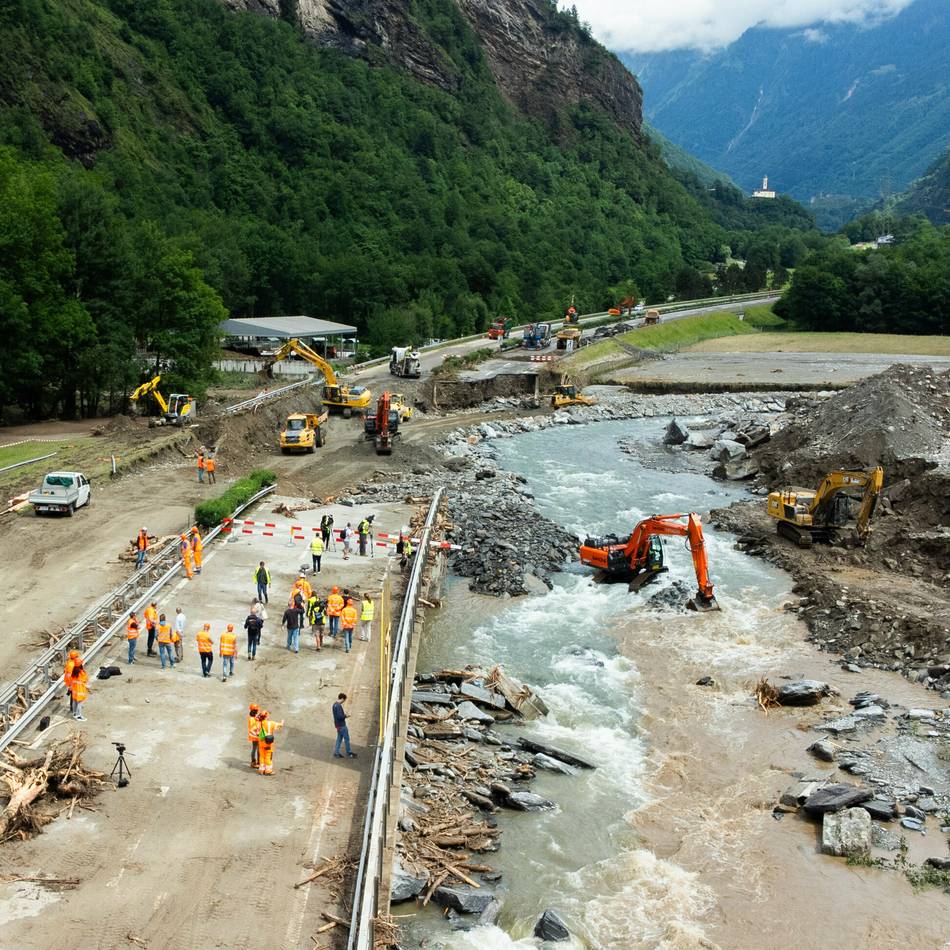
261	731
363	533
190	546
206	464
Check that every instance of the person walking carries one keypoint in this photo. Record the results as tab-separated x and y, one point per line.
197	548
150	616
141	547
367	613
268	729
228	650
210	466
334	609
253	733
326	531
342	732
316	552
262	579
184	547
79	690
68	678
348	619
293	621
316	612
201	466
178	635
205	649
347	541
132	634
407	550
362	530
165	642
254	625
301	586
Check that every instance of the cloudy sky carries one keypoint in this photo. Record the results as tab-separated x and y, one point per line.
648	25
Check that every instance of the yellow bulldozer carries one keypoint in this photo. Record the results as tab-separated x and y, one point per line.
570	396
304	432
805	515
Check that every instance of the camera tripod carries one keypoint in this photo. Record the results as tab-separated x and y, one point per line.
122	767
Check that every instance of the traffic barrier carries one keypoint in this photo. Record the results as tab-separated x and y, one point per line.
543	358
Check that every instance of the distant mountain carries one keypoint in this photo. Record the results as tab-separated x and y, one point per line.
836	109
930	194
680	160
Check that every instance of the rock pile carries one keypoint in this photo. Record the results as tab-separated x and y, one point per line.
459	772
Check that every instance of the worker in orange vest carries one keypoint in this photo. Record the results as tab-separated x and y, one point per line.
197	548
185	548
334	609
201	466
79	689
253	733
68	677
303	586
141	547
165	642
348	618
132	634
210	467
205	649
266	732
150	616
228	649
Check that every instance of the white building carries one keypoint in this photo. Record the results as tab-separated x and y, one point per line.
764	191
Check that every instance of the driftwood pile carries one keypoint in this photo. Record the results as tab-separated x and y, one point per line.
459	772
40	789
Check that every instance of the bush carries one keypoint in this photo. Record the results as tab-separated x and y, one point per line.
213	511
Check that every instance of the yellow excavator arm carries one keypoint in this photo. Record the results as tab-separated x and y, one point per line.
304	352
151	387
335	395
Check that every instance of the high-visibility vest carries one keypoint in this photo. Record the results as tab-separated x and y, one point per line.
314	610
228	644
363	527
151	616
209	465
304	588
407	550
369	610
197	543
267	727
141	542
201	461
349	617
79	690
132	629
68	673
164	633
205	643
334	605
253	729
257	575
316	545
80	675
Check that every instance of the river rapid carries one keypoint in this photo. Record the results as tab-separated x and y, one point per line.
669	842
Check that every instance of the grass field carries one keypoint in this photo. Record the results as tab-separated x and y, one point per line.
10	455
827	343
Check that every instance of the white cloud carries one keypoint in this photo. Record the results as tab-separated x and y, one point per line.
650	25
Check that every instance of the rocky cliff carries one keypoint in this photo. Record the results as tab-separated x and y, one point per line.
541	60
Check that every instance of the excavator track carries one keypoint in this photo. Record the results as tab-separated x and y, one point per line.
801	537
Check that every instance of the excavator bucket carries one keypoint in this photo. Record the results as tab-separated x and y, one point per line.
703	605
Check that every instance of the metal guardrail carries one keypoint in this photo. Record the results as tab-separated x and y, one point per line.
378	806
102	621
267	397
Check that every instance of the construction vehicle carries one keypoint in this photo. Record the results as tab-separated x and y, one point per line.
501	328
568	338
805	516
639	559
178	409
652	318
571	316
337	397
304	432
397	402
63	492
536	336
570	396
405	361
383	426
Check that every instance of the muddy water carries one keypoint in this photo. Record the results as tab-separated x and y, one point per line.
670	842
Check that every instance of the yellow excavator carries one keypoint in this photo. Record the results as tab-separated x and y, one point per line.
337	397
805	516
178	409
570	396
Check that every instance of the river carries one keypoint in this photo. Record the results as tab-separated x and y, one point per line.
655	847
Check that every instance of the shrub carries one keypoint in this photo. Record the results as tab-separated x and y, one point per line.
213	511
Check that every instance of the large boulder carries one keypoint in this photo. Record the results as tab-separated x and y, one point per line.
735	471
803	693
700	440
725	450
675	434
834	797
528	801
405	885
465	900
847	834
551	927
467	710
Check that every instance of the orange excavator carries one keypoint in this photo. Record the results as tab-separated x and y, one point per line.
639	559
383	426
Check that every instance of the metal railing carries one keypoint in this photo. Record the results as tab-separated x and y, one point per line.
256	401
100	623
378	806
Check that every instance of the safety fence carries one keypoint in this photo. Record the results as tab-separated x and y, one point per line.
267	396
38	685
379	804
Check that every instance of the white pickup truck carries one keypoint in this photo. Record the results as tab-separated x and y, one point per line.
61	491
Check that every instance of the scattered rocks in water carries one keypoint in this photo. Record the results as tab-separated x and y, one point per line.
549	926
912	824
822	749
941	864
705	681
676	434
569	757
880	809
803	693
846	833
405	885
834	797
527	801
675	596
463	899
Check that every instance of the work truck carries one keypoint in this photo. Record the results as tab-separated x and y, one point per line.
61	492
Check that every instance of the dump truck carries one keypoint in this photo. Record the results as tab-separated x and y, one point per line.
568	338
652	318
500	328
304	432
61	492
405	361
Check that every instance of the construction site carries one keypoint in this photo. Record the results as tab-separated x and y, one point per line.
665	606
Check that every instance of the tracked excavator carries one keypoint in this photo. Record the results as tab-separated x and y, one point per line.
805	516
178	409
383	426
337	397
639	559
570	395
